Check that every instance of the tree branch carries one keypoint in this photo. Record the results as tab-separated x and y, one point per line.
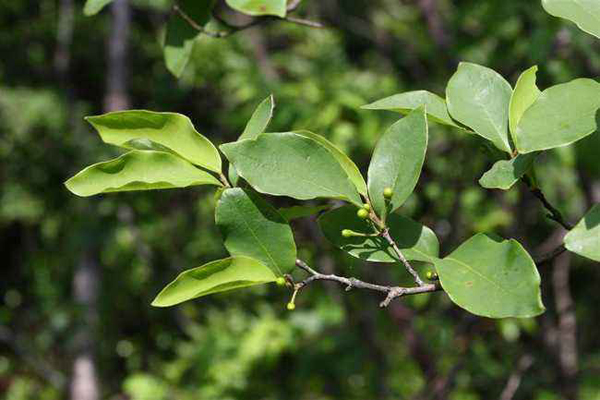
385	233
515	378
391	292
554	214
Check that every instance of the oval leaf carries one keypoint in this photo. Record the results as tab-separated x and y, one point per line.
492	278
525	94
93	7
585	13
345	162
252	227
561	115
296	212
181	36
479	98
259	7
506	173
214	277
138	170
416	241
256	125
287	164
584	239
404	103
397	161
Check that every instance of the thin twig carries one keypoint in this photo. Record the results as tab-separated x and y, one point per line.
515	378
551	255
391	292
224	180
385	233
554	214
193	24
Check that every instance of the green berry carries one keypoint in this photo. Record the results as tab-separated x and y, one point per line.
291	306
388	193
362	213
432	276
280	281
347	233
366	207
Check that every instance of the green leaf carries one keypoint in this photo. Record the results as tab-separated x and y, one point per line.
93	7
584	239
397	161
479	98
259	7
345	162
416	241
288	164
251	227
525	94
585	13
256	125
214	277
561	115
138	170
296	212
171	130
181	36
506	173
492	278
404	103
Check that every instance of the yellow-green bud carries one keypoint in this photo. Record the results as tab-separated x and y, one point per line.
291	306
280	281
347	233
362	213
388	193
432	276
366	207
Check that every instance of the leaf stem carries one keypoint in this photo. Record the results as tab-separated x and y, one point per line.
385	233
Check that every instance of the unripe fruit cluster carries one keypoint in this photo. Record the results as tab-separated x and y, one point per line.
362	213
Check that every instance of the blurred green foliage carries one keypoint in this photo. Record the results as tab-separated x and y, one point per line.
244	345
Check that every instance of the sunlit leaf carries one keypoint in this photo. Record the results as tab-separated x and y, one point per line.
171	130
525	94
397	161
479	98
214	277
561	115
259	7
93	7
404	103
138	170
584	239
492	278
585	13
505	173
416	241
252	227
288	164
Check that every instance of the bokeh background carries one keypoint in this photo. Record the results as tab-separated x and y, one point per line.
78	275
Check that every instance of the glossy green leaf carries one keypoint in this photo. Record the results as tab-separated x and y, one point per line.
345	162
584	239
181	36
525	94
138	170
214	277
259	7
561	115
416	241
256	125
171	130
479	98
585	13
252	227
404	103
296	212
492	278
93	7
288	164
506	173
397	161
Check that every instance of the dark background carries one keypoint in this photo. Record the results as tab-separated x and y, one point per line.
78	275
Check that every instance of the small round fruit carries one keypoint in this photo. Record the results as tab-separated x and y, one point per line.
366	207
388	193
347	233
362	213
432	276
291	306
280	281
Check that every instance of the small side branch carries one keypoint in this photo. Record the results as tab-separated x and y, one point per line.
514	381
391	292
553	213
385	233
